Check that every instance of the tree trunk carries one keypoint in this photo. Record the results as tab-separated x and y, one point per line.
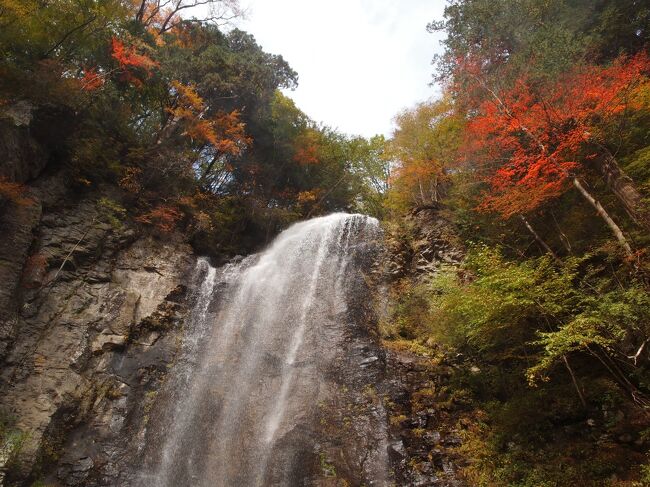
575	381
625	190
140	14
635	394
538	238
618	233
563	238
424	199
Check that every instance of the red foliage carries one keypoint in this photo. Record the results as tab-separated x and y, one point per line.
532	139
131	63
163	217
91	80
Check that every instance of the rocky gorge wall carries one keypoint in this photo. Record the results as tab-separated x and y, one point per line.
90	314
88	343
91	321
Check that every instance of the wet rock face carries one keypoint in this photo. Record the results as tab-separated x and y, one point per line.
423	421
29	141
23	158
352	432
427	242
94	320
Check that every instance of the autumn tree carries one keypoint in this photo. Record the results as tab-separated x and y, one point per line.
536	140
161	16
423	148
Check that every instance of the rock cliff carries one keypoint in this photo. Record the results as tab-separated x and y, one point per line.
90	312
93	330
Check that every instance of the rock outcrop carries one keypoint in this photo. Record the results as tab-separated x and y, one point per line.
425	241
423	418
91	313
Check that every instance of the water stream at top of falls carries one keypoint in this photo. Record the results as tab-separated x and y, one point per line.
260	337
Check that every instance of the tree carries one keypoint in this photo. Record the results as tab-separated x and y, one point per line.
539	39
423	148
535	139
371	167
161	16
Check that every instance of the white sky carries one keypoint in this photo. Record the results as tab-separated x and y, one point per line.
359	62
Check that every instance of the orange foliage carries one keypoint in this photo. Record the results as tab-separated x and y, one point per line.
306	150
225	131
131	180
14	192
156	15
416	181
535	138
308	196
306	155
231	131
163	217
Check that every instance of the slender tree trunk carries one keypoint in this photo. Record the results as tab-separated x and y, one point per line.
424	200
563	238
208	169
625	190
539	239
616	230
575	381
68	34
635	394
140	14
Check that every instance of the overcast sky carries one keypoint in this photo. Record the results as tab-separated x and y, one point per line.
359	62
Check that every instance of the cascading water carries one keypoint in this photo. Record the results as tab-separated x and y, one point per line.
263	332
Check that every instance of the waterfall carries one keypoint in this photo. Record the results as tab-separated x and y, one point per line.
259	340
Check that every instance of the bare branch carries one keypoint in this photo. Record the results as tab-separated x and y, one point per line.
69	33
635	357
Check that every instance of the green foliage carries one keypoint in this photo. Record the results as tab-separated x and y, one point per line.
518	320
328	469
112	211
493	312
603	320
410	315
11	441
541	38
645	474
371	169
537	309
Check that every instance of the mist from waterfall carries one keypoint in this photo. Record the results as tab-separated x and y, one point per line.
261	333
